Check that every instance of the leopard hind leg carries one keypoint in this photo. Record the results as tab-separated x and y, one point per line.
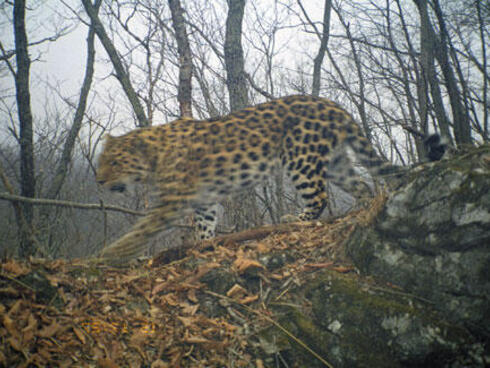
206	220
308	177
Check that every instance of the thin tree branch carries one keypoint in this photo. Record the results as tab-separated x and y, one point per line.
121	72
54	202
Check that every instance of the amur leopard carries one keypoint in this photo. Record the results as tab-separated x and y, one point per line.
193	164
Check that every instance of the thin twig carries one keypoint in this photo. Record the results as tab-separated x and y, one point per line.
54	202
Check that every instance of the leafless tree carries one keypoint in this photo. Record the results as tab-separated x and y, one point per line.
27	175
234	62
185	68
70	141
418	65
121	72
323	36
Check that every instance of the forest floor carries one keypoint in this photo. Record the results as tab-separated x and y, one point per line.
205	307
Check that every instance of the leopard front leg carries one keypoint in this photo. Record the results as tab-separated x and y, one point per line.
135	242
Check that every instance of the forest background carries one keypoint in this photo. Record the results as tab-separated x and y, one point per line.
72	71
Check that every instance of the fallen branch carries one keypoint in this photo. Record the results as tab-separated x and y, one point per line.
261	232
54	202
170	255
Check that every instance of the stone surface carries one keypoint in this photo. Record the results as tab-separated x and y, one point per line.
422	296
433	239
352	323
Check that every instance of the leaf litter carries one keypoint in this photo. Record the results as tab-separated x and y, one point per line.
161	315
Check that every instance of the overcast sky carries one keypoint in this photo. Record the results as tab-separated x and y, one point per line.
61	63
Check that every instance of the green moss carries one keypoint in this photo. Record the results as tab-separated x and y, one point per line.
359	297
346	346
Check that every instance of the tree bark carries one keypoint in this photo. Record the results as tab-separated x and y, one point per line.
317	62
121	73
481	28
185	68
427	79
66	155
27	177
433	48
69	204
237	89
462	129
426	58
235	71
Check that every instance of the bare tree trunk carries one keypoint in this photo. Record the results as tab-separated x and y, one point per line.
46	216
237	89
481	27
462	129
60	175
421	83
185	68
317	63
426	58
434	48
428	77
235	71
121	72
27	177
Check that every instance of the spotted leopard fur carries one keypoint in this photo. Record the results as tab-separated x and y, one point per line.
193	164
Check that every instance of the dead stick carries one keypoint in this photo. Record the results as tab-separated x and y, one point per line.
54	202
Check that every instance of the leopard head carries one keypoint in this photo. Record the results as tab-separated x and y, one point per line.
122	162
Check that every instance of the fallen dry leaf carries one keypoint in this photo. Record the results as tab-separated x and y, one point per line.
190	309
159	364
9	325
31	323
196	340
187	321
236	291
171	299
249	299
15	307
243	264
133	317
263	247
14	268
191	295
343	269
79	333
49	331
14	343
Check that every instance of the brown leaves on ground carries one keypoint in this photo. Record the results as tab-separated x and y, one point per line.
64	314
